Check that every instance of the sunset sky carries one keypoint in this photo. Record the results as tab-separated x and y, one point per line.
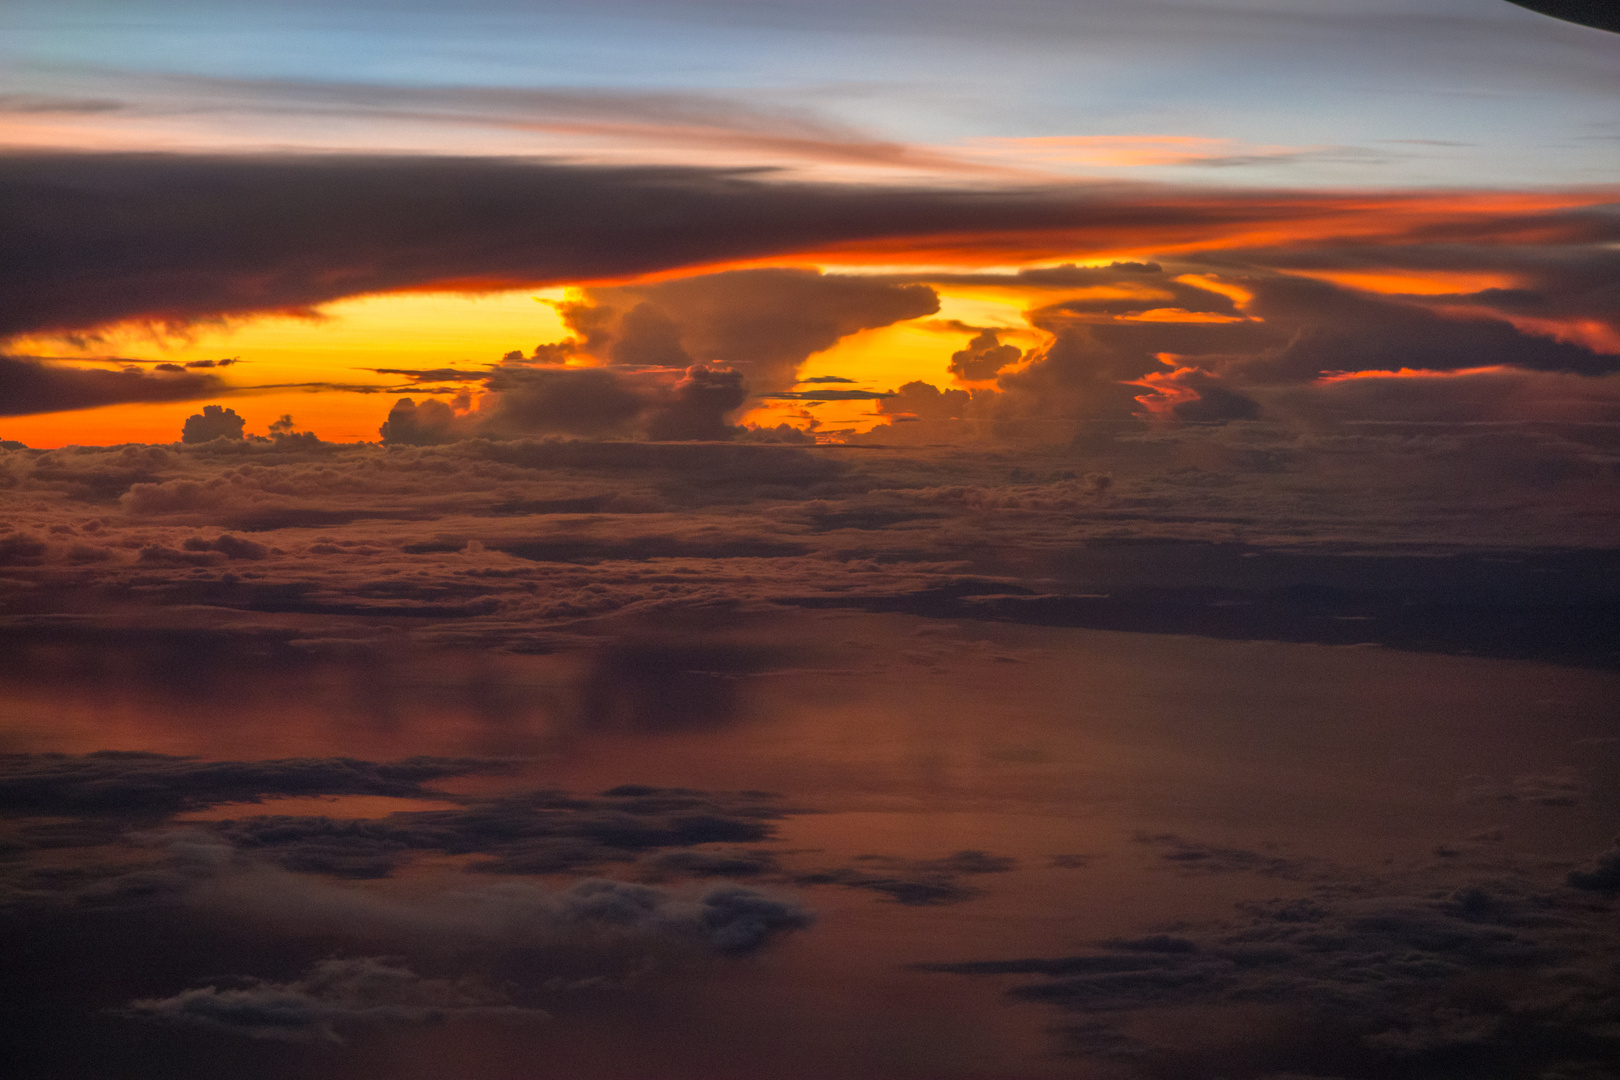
1454	156
898	540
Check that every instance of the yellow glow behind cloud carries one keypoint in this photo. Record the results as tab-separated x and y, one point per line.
400	330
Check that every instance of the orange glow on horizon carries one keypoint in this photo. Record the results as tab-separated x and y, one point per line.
334	416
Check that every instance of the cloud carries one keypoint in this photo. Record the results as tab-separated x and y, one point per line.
1139	340
1336	329
427	424
519	544
764	323
538	833
590	401
917	883
577	117
331	996
983	358
1604	877
1492	395
920	399
212	423
29	385
831	395
135	783
596	916
1374	980
337	995
598	402
326	227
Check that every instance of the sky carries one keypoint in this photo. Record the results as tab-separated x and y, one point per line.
705	539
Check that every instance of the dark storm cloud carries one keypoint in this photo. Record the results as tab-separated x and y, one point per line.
983	358
1577	280
763	322
29	385
924	400
194	236
200	236
1502	396
1335	329
699	404
1141	340
1375	982
585	401
598	402
1297	329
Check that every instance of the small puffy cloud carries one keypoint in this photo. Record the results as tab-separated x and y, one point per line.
214	422
928	402
428	424
983	358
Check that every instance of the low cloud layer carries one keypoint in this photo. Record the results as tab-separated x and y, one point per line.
516	542
1507	976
